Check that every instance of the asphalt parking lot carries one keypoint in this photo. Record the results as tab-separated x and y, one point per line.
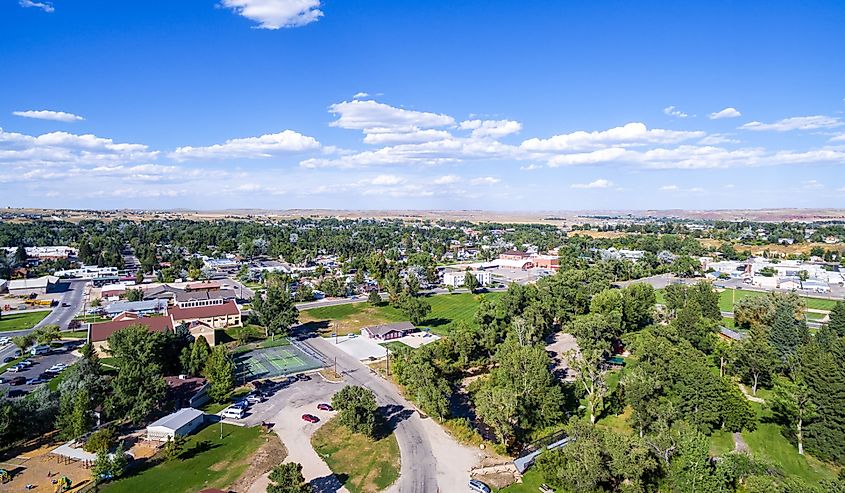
41	364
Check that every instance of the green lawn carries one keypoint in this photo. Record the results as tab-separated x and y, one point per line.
21	321
446	310
208	462
361	464
721	442
729	296
531	482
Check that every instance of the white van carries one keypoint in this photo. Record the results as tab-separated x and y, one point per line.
40	349
232	413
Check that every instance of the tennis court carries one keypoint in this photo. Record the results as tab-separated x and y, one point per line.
274	362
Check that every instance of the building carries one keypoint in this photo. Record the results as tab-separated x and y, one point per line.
219	315
730	335
98	334
789	283
178	296
513	255
146	307
203	286
515	264
456	278
88	272
44	252
180	423
4	285
40	285
388	332
550	262
184	391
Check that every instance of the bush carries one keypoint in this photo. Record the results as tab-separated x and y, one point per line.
103	439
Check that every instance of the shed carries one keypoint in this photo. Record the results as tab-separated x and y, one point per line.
180	423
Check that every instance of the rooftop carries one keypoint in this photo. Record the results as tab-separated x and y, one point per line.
221	310
380	330
178	419
102	331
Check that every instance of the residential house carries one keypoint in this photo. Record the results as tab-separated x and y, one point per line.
388	332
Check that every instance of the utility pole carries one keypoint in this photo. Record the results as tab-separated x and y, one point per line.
388	360
335	366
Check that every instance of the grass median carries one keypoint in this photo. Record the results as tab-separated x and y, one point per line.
21	321
363	465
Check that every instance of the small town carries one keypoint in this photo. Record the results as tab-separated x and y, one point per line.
316	246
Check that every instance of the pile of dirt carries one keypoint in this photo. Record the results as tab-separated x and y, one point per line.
270	455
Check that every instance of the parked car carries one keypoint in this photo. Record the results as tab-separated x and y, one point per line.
40	349
4	341
476	485
310	418
16	368
303	377
26	363
57	368
16	393
233	412
35	381
17	381
324	407
254	398
241	404
65	305
8	359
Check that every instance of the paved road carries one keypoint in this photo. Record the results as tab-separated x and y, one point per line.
419	467
74	297
361	297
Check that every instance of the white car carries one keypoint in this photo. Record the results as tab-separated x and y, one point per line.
4	341
233	413
57	368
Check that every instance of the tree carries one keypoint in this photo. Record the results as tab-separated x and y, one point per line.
416	309
497	407
690	470
304	292
220	372
24	341
139	386
174	447
275	310
47	334
102	439
837	319
685	266
638	301
787	333
195	356
792	404
20	255
412	284
470	281
374	299
590	379
357	409
134	294
288	478
756	359
75	418
102	468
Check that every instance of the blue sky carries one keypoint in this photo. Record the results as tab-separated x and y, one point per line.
476	104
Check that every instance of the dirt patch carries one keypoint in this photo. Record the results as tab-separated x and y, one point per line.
270	455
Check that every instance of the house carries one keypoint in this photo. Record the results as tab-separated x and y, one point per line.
456	278
26	287
180	423
218	315
388	332
789	283
186	391
44	252
98	334
146	307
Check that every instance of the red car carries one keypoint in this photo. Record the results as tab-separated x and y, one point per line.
310	418
324	407
17	381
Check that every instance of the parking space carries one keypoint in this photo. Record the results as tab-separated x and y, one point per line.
359	347
40	364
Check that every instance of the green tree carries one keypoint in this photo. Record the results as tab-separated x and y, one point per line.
756	359
195	356
101	440
412	284
47	334
638	301
470	281
792	405
220	372
75	418
690	470
288	478
787	333
276	311
20	255
139	386
374	299
174	447
357	409
102	468
590	379
416	309
837	319
498	407
685	266
134	294
24	341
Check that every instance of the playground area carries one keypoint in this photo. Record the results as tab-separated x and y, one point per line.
39	470
274	362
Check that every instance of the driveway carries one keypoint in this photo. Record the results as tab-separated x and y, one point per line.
431	460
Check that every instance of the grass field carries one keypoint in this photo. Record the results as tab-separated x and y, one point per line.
446	310
21	321
208	462
361	464
531	482
728	297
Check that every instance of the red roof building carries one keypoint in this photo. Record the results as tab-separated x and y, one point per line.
217	315
98	334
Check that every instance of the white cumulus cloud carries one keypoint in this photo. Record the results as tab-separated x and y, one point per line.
673	111
484	180
387	180
276	14
725	113
59	116
45	6
265	146
629	134
491	128
600	183
447	180
796	123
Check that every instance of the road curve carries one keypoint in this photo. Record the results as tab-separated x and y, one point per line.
418	472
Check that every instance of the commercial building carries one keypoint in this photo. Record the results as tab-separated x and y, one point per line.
44	252
146	307
456	278
180	423
388	332
88	272
40	285
218	314
98	334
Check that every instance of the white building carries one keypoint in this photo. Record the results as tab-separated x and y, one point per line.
44	252
456	278
180	423
88	272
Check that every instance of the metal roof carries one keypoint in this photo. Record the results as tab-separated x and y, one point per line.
178	419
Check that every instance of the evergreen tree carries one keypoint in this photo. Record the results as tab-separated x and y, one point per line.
787	333
220	372
837	319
